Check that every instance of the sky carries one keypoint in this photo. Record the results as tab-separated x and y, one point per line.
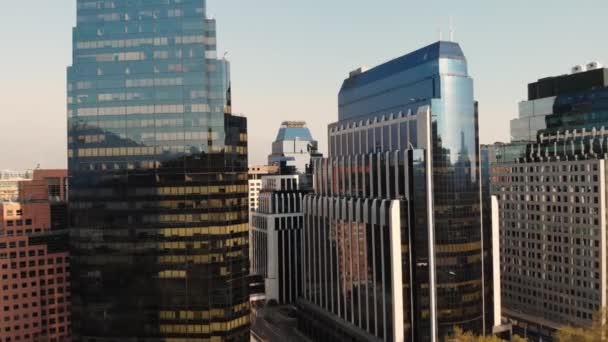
289	59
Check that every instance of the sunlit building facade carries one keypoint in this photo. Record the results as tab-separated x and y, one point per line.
34	262
550	206
158	177
293	147
393	243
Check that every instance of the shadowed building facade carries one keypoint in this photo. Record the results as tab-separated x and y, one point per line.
393	243
158	177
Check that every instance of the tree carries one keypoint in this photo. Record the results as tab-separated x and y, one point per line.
461	336
597	331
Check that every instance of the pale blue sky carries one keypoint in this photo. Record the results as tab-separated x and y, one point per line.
290	57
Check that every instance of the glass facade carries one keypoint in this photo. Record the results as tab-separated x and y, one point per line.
158	177
408	135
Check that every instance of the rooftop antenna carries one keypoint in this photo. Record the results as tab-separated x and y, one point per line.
451	29
440	34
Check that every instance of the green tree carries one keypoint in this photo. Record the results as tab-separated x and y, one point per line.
597	331
461	336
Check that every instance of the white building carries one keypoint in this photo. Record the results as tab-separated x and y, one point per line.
276	230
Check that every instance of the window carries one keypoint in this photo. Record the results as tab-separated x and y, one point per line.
54	187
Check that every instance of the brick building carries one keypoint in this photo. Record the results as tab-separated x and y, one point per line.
34	262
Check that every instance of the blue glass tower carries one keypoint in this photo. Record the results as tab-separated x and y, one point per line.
393	233
293	147
158	177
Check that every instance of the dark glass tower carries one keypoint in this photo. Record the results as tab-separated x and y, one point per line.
158	177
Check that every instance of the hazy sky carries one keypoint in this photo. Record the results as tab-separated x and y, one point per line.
289	58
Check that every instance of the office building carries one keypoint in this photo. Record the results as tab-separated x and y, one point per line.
9	184
393	244
276	224
293	146
158	177
276	228
255	182
255	186
550	202
34	262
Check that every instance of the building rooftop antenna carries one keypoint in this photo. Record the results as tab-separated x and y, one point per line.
451	29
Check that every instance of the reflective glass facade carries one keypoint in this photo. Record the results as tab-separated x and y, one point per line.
158	177
404	152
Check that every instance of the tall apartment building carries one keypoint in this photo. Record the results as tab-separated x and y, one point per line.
550	206
393	244
158	177
34	262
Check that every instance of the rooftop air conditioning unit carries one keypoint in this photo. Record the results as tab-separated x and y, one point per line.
578	69
357	71
594	65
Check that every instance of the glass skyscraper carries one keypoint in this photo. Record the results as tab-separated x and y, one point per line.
158	177
393	239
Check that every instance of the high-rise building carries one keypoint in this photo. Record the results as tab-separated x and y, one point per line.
277	222
34	262
255	186
550	205
393	245
255	182
276	236
158	177
293	146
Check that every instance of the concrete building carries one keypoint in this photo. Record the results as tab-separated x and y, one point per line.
34	262
276	224
276	229
550	207
255	182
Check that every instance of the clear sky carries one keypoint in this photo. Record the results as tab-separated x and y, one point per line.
289	58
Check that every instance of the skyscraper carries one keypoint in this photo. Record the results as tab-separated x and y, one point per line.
393	242
158	177
293	147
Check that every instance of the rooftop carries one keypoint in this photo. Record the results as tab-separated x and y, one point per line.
441	49
294	130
